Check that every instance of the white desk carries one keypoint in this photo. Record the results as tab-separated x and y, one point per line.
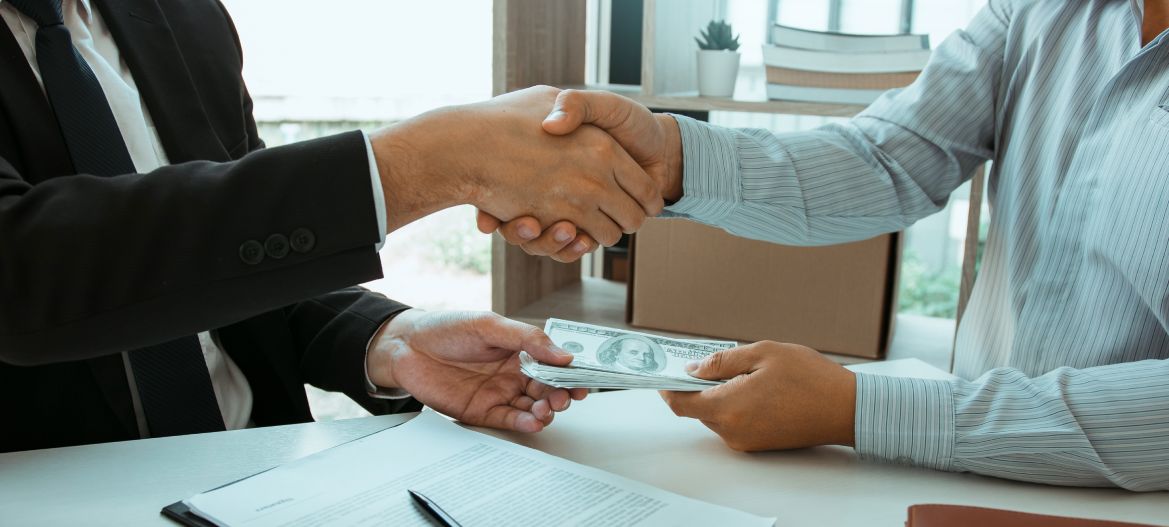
629	433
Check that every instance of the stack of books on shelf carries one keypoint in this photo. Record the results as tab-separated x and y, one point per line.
828	67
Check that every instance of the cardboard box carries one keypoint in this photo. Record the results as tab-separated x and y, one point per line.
695	279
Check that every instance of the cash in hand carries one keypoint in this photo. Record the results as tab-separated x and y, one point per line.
614	358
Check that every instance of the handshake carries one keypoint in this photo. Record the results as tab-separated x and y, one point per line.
556	172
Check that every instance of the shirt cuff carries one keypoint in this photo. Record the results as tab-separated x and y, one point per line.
379	199
372	389
906	421
710	172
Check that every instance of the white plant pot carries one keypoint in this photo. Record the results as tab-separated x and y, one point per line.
717	72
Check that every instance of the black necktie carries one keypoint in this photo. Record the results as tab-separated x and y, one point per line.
172	379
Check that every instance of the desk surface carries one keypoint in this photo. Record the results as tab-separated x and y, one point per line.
629	433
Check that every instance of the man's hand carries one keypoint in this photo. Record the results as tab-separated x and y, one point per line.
495	155
653	141
778	396
466	365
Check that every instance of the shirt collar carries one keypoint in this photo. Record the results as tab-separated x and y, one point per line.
83	5
85	11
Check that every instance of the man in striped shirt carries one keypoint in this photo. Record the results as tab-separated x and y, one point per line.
1063	351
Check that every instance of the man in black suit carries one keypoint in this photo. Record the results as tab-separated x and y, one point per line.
162	273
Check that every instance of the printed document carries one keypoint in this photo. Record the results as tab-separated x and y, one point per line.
478	479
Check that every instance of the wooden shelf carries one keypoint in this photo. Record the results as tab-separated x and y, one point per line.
593	300
691	101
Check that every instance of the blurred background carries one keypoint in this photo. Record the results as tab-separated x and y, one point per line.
369	63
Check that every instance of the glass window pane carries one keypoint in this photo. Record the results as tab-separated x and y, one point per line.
870	16
939	18
808	14
315	72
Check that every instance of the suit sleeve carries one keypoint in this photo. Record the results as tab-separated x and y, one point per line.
332	332
93	265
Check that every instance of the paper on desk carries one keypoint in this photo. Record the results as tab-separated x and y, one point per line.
478	479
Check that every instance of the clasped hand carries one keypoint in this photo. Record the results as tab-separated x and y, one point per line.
497	156
652	141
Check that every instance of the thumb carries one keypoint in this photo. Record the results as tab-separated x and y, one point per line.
723	365
539	346
631	124
570	110
512	335
486	222
608	111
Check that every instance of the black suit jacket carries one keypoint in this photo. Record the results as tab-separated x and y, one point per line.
93	266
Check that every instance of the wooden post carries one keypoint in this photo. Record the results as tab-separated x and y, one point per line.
535	42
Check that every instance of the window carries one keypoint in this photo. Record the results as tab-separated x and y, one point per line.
933	247
316	69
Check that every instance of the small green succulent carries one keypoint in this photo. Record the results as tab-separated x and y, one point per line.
717	36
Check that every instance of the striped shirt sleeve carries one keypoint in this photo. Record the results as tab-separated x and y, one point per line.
1092	427
895	163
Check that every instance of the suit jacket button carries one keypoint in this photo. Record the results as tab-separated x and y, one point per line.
303	240
251	252
276	246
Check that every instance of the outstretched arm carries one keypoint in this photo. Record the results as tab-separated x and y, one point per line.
1092	427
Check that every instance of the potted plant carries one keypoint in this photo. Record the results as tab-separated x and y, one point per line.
718	60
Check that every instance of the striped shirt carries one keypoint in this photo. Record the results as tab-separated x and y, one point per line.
1062	352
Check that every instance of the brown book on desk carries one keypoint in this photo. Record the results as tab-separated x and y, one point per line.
937	515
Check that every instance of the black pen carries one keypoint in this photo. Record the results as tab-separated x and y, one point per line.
433	509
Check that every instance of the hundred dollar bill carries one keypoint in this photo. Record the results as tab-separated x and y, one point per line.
614	358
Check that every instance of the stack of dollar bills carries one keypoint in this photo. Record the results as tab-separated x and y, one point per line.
615	358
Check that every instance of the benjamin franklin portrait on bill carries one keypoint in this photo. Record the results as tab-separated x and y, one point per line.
633	353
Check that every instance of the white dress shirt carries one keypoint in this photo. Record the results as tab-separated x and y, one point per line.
96	45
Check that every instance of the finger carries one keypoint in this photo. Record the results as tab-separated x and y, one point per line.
725	364
633	179
627	213
507	334
602	227
644	189
553	240
523	402
508	418
578	394
520	230
486	222
538	390
558	400
582	245
545	400
542	410
626	208
698	405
